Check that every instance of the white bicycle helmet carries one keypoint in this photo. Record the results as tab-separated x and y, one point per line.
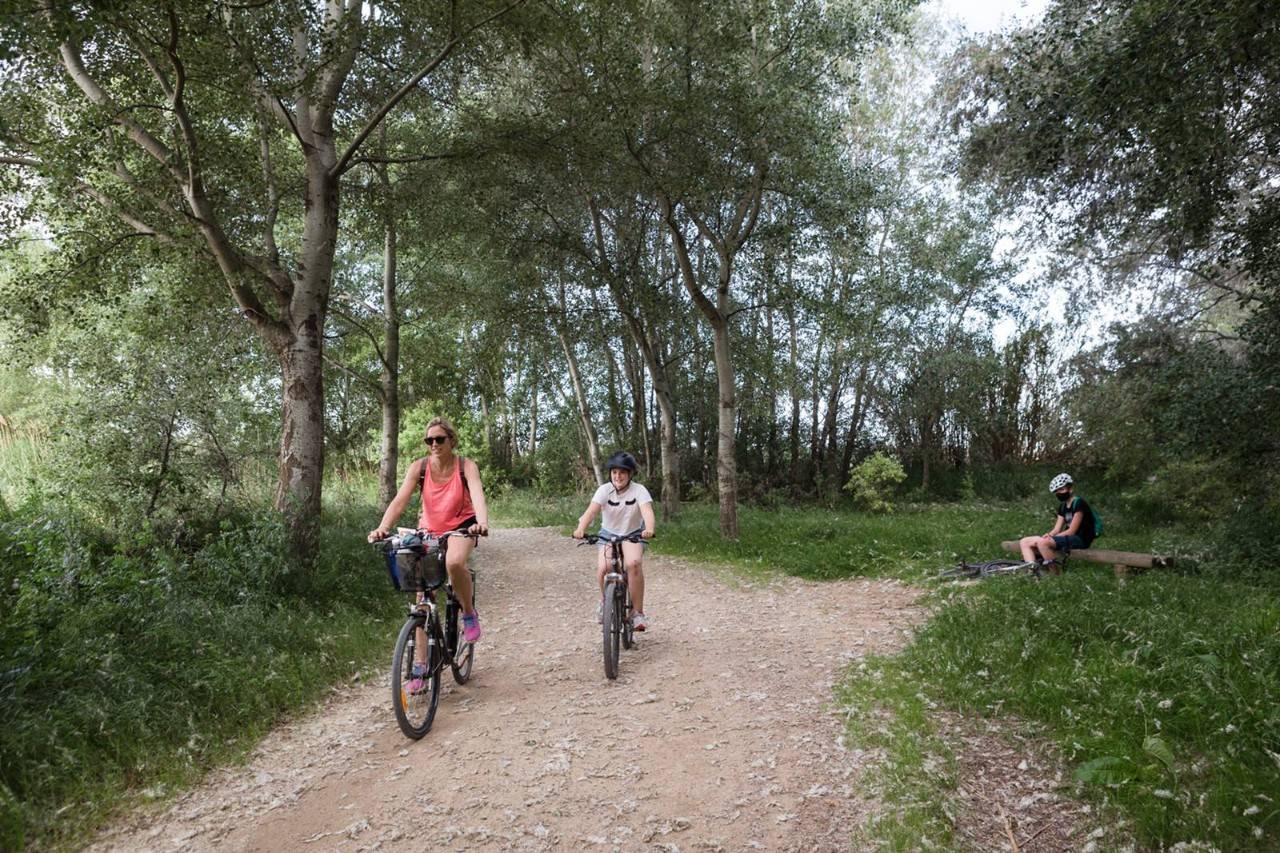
1059	482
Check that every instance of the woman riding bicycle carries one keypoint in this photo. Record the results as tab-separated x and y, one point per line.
627	509
452	499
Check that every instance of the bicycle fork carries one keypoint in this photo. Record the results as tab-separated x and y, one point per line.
424	606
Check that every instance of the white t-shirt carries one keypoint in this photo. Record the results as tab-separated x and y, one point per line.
620	511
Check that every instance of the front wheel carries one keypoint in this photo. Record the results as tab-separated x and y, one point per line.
611	626
1009	567
414	699
628	635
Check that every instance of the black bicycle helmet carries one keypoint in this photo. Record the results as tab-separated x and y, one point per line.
622	459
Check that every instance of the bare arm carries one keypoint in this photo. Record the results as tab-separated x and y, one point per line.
593	509
476	488
650	523
396	508
1057	527
1075	523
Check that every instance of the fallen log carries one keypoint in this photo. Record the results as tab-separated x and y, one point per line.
1121	561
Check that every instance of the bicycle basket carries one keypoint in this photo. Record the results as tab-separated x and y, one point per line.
416	569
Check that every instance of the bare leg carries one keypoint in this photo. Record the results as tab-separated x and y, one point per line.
455	561
1049	548
1028	545
420	639
602	567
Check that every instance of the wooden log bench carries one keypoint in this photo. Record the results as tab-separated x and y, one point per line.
1123	562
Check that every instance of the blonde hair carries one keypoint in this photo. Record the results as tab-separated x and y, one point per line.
444	424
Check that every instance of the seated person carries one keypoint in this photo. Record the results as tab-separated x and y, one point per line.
1074	527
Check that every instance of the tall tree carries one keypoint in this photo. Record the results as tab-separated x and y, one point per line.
197	152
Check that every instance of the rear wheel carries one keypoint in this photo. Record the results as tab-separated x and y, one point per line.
611	627
462	654
414	700
463	658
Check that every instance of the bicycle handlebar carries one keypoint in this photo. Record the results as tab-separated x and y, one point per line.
392	540
596	538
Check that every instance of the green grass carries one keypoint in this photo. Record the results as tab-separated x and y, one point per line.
910	544
916	777
1160	692
525	509
128	669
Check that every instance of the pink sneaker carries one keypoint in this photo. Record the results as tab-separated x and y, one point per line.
417	684
470	627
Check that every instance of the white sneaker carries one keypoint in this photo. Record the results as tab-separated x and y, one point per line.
639	622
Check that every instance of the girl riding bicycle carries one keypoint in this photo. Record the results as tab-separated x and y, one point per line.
452	499
627	509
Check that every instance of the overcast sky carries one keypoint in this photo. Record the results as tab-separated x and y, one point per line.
981	16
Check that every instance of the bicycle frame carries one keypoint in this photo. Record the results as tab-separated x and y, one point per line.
429	635
616	606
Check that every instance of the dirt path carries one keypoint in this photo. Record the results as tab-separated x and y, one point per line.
717	735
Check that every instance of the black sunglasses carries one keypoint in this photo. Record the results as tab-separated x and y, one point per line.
435	439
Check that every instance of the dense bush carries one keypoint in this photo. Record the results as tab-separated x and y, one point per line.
127	663
873	481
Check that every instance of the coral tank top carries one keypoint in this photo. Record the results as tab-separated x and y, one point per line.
444	505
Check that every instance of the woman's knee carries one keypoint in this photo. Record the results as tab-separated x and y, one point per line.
635	566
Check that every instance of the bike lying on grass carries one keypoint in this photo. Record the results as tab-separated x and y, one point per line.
615	618
991	568
416	562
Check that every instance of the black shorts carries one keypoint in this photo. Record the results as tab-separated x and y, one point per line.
465	526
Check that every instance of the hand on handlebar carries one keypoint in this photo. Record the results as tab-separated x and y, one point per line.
478	529
378	534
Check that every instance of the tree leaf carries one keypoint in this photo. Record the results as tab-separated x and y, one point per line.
1107	770
1158	749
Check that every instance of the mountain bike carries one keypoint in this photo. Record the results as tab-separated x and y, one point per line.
416	563
991	568
615	619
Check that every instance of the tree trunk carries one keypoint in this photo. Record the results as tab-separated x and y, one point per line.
855	422
666	406
533	421
389	380
726	460
794	432
302	439
717	316
584	412
488	423
815	399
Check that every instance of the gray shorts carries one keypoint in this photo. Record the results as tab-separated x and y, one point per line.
604	531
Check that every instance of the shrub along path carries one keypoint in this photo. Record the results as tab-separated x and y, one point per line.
719	733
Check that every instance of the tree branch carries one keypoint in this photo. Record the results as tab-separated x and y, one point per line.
96	94
126	216
344	162
362	379
338	17
360	327
273	192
